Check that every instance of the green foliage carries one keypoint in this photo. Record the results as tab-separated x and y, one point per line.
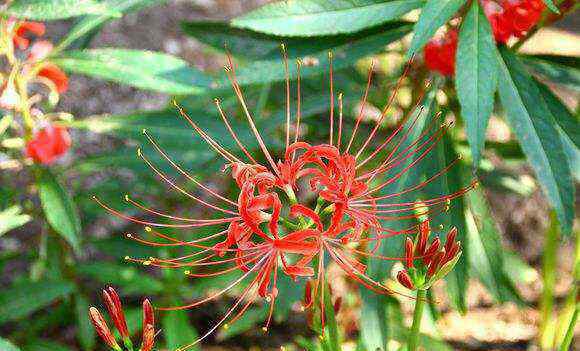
178	330
142	69
6	345
535	127
12	218
58	207
22	299
320	17
434	14
46	10
476	77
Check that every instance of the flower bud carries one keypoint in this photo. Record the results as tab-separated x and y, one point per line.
102	328
113	304
148	315
424	232
435	263
48	144
409	253
431	251
148	338
450	239
405	280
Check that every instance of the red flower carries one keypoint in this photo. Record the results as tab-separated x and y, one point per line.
22	30
440	53
117	314
48	144
269	230
56	75
512	18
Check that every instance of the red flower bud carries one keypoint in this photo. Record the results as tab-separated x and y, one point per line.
450	239
148	338
48	144
307	294
113	304
53	73
435	263
23	29
102	329
450	255
431	251
405	280
409	252
424	232
148	315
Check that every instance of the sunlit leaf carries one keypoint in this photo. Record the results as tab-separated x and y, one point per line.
321	17
46	10
6	345
12	218
178	331
142	69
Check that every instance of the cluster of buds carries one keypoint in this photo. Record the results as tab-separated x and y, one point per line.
512	18
508	18
117	315
27	69
427	262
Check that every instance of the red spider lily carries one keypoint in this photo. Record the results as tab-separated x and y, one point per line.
23	29
48	144
512	18
440	53
267	231
113	304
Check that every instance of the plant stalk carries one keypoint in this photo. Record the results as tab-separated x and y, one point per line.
549	265
417	316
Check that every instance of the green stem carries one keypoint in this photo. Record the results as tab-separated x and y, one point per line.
549	263
417	316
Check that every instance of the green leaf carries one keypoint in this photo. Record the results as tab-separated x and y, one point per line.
12	218
46	10
321	17
433	15
535	127
45	345
25	298
476	77
486	251
566	120
142	69
86	332
568	127
562	70
552	6
128	277
6	345
345	55
178	331
90	22
59	208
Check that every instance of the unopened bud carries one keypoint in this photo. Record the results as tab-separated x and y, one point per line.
431	251
405	280
409	252
102	328
115	309
424	232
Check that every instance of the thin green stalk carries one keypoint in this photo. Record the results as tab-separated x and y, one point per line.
549	263
417	316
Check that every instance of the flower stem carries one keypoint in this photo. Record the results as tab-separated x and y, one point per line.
549	265
417	316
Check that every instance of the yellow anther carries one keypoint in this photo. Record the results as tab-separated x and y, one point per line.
126	197
127	258
265	329
139	153
129	235
187	272
146	263
226	326
148	229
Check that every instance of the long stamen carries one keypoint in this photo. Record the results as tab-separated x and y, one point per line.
287	78
339	121
182	171
230	72
331	98
220	150
363	104
232	133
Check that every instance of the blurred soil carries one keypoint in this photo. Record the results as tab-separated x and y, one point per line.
522	219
